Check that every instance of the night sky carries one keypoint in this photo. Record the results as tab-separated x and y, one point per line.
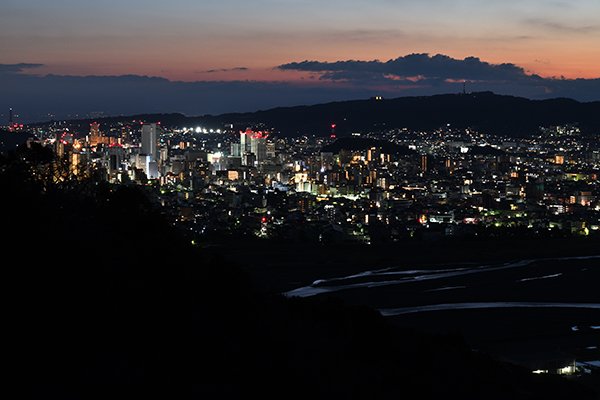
215	56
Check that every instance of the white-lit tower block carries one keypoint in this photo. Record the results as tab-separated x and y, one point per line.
258	146
245	141
150	151
150	135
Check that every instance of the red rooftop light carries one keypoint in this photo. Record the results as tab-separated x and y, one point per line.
255	135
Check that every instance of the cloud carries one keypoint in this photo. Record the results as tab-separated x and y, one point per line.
362	35
440	72
435	68
16	68
561	27
426	74
210	71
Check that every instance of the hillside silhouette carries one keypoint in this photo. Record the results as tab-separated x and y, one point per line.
484	111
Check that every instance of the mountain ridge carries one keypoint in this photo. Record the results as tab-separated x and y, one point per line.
484	111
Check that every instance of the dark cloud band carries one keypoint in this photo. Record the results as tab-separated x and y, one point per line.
14	68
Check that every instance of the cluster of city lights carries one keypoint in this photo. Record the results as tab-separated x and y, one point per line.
200	129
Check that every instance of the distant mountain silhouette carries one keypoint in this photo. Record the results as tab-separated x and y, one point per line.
485	111
488	112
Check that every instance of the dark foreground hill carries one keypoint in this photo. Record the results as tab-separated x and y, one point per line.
485	111
105	300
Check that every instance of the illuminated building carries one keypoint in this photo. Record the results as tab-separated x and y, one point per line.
373	154
259	148
245	141
150	135
75	161
233	175
270	147
248	159
424	162
372	177
235	150
152	170
147	165
449	165
254	142
94	133
96	137
79	164
116	155
585	198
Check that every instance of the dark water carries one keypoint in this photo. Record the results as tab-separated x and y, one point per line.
533	312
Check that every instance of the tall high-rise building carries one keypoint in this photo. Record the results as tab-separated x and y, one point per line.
271	150
424	162
258	146
235	150
116	156
150	134
449	164
245	141
10	116
95	134
373	154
